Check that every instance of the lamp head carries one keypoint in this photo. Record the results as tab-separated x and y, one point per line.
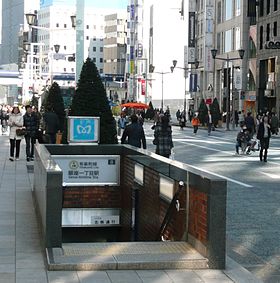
73	21
214	53
151	68
56	48
174	62
26	46
241	53
30	18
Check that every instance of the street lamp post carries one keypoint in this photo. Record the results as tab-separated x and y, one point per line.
162	74
186	69
227	59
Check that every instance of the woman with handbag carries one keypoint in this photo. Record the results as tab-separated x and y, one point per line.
15	122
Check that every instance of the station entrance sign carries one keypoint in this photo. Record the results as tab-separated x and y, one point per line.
83	129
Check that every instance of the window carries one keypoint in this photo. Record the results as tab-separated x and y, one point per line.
252	49
275	5
65	25
219	42
94	60
275	29
101	60
101	71
219	13
101	49
87	26
94	38
237	8
87	37
237	38
57	25
228	10
64	47
228	41
267	7
267	32
261	5
64	69
94	49
261	37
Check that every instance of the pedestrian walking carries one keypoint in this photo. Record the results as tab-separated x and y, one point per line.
31	125
236	118
178	115
182	120
274	122
209	122
250	123
38	116
263	135
190	114
195	124
241	118
122	122
133	133
51	125
15	122
163	137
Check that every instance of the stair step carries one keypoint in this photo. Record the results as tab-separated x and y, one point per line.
125	255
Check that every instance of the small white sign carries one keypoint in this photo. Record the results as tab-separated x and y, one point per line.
72	217
166	188
87	170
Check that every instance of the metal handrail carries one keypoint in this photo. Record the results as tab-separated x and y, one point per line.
170	210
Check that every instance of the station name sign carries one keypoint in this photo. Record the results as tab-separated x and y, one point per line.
272	45
89	170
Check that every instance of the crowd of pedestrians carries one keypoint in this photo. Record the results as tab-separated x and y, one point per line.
261	127
27	123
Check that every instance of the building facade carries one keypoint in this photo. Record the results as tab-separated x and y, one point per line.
231	33
157	34
268	63
12	19
114	56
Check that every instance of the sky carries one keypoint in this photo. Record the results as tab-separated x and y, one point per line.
104	4
116	4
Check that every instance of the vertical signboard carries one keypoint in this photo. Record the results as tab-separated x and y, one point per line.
191	38
193	82
209	30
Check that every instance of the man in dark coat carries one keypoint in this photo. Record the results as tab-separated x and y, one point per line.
135	133
31	125
51	122
264	134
